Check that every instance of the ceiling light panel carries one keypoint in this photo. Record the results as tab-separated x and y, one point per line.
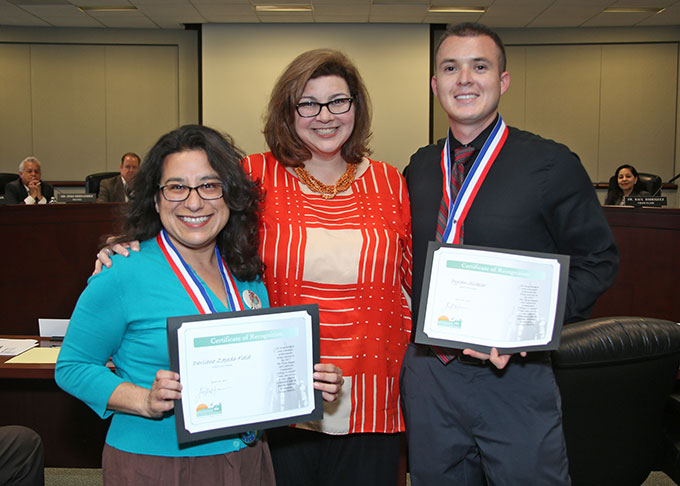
626	10
62	15
282	8
456	10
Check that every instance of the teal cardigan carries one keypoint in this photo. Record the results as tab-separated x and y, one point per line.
122	314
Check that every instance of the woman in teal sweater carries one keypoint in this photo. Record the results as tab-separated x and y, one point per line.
196	213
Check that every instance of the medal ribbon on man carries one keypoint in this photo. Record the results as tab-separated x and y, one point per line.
459	208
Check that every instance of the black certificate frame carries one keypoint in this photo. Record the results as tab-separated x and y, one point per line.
187	438
422	338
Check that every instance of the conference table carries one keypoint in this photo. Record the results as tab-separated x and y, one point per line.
73	435
48	253
649	270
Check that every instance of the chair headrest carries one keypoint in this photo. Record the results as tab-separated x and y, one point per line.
649	182
615	340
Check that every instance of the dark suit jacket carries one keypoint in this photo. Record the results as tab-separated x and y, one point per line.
111	190
15	192
536	197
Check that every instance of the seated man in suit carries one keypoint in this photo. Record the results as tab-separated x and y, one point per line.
115	189
28	188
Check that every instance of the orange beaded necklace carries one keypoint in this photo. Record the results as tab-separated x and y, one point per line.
326	191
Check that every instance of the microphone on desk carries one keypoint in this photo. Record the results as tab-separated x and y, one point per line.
673	178
54	199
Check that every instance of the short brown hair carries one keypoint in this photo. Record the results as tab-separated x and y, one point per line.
122	159
279	128
472	29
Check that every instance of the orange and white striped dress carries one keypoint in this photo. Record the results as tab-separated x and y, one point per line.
352	256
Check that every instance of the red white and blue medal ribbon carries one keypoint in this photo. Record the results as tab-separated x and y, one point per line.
191	283
199	294
459	208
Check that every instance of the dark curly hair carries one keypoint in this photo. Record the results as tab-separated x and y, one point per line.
279	129
239	241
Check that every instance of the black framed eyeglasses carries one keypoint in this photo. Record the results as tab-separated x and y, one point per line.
309	109
175	192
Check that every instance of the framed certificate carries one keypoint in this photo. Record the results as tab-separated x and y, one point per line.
243	371
482	298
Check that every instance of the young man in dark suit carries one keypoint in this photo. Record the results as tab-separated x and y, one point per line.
473	417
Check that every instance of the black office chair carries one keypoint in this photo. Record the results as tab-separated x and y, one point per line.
650	183
93	180
6	178
615	377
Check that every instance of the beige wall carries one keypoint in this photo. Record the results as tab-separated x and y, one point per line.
242	62
78	98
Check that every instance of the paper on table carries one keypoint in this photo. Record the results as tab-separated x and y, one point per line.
37	356
12	347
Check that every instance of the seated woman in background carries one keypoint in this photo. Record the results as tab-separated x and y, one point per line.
623	184
195	212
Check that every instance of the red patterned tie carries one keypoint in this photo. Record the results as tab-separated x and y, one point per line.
460	155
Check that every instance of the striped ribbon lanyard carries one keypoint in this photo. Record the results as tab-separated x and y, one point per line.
459	208
193	286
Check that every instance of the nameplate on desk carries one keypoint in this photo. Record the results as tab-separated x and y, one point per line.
639	201
76	198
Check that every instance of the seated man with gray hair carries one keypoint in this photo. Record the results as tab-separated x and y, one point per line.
29	189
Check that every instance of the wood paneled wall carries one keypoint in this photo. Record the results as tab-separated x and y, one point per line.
80	101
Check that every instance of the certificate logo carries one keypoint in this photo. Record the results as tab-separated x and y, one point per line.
447	321
204	410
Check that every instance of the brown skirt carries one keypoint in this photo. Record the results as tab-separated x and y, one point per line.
251	466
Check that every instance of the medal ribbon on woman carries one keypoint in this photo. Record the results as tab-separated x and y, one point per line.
191	283
199	295
459	208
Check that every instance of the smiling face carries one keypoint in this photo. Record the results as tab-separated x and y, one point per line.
192	224
626	180
326	133
468	83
